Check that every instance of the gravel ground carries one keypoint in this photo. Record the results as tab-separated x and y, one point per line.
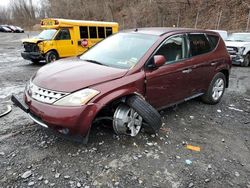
35	157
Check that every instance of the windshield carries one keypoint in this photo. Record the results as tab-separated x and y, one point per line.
122	50
47	34
241	37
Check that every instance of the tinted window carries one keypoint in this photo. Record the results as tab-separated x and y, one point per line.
63	35
93	33
108	31
213	40
198	44
84	32
174	49
101	32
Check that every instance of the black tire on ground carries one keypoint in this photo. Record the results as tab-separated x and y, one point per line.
246	61
149	114
207	97
51	56
35	61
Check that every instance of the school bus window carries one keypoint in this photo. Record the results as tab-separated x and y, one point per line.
101	32
93	33
108	31
63	35
84	32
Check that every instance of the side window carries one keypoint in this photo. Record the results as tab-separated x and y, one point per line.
84	32
174	49
198	44
92	32
63	34
213	40
109	31
101	32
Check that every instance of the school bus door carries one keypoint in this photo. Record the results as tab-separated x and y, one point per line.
65	45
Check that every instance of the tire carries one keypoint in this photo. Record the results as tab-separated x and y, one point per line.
209	97
35	61
149	114
246	61
51	56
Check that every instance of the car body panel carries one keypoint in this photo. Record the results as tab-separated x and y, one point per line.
161	86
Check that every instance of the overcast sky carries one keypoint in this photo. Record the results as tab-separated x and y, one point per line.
4	2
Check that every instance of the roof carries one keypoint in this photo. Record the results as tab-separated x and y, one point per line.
80	21
163	30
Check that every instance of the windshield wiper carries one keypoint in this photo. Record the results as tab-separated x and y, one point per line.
93	61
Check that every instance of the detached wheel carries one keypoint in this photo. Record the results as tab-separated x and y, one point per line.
246	61
216	89
149	114
51	56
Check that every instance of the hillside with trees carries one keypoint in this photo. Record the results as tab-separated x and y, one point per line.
232	15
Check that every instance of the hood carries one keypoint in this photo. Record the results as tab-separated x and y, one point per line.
237	44
32	40
73	74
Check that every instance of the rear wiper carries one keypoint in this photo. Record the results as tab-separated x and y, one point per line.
93	61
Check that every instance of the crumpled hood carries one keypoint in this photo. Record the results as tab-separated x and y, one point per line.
32	40
237	44
72	74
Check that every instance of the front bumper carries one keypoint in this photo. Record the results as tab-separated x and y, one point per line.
72	123
237	59
32	55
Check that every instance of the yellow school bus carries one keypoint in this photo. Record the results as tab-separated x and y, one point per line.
64	38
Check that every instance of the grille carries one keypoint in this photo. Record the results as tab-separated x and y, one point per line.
232	50
45	95
30	47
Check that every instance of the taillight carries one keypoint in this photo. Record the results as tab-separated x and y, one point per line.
56	22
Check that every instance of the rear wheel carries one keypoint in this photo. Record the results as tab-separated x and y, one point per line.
51	56
216	89
246	61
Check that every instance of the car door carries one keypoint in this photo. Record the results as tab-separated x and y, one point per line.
203	63
169	83
65	45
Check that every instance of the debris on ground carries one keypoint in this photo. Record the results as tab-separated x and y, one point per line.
26	174
193	148
236	109
6	111
187	161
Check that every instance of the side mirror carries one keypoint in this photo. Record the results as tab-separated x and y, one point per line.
159	60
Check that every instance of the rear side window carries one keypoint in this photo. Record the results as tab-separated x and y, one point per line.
198	44
84	32
109	31
213	40
101	32
92	32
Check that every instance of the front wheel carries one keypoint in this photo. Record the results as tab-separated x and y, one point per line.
246	61
215	90
51	56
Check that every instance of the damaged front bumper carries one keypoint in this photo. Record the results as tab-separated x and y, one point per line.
62	131
32	56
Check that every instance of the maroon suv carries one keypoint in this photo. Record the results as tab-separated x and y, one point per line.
124	78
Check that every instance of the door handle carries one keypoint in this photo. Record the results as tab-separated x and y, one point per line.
186	71
214	63
72	42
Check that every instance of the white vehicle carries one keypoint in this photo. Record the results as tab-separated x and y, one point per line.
238	46
222	33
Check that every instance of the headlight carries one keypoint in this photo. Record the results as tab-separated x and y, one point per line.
241	50
78	98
